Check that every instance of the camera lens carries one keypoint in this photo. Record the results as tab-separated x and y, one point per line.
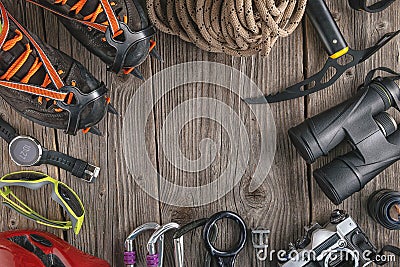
384	208
394	212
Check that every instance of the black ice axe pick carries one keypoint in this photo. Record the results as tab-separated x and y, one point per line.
336	47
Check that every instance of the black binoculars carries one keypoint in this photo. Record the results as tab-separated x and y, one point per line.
363	122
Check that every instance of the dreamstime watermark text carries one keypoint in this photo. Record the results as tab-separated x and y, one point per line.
327	256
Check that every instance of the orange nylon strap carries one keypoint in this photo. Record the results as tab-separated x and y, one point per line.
24	87
100	27
112	19
35	90
55	78
5	25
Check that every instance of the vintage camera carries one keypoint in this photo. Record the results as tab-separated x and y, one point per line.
363	122
340	243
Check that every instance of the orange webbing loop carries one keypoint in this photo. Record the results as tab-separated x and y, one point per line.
16	66
12	42
34	68
112	19
35	90
55	78
90	20
21	60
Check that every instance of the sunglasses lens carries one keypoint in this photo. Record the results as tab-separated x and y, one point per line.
24	176
69	197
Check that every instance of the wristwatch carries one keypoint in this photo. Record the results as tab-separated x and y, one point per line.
26	151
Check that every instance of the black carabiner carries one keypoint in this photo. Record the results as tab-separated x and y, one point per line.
193	226
224	258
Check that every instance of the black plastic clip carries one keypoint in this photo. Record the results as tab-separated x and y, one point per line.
131	38
81	101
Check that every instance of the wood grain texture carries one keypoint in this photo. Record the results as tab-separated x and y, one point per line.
361	30
287	200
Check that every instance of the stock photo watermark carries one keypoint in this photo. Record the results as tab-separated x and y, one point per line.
329	257
140	163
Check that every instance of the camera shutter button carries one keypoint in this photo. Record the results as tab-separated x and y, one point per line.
338	216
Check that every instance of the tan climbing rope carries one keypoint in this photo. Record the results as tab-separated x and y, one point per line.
234	27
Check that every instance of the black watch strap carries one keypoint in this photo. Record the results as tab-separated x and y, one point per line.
7	132
76	167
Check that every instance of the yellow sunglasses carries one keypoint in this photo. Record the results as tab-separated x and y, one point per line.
61	193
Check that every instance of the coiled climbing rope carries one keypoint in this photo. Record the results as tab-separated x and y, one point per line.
233	27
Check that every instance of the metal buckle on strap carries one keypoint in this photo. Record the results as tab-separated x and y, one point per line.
91	173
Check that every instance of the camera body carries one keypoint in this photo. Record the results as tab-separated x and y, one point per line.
363	122
340	243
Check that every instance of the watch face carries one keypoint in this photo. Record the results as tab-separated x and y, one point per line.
25	151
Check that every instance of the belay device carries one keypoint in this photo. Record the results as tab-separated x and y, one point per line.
371	131
336	47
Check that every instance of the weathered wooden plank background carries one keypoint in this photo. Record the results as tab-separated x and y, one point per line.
288	199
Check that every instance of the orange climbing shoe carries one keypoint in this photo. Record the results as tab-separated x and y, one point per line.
117	31
45	85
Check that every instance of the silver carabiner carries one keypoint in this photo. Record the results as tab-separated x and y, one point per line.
130	252
178	245
188	228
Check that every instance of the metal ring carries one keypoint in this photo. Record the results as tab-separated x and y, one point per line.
211	224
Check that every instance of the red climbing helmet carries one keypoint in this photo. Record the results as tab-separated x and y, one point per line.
30	248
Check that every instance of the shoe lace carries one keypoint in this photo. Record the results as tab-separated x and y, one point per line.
20	61
77	8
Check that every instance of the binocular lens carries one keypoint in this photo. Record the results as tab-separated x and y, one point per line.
337	181
384	208
305	142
